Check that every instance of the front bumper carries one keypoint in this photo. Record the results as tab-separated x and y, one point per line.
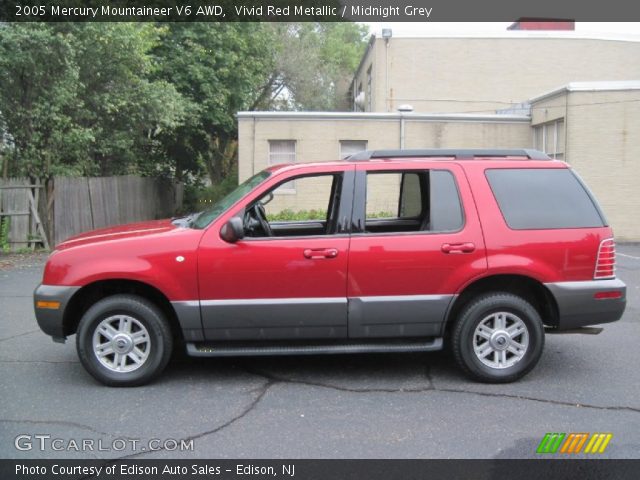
51	317
579	307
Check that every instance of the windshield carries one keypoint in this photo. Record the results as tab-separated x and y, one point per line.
207	216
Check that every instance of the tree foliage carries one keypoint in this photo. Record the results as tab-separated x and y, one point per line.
158	99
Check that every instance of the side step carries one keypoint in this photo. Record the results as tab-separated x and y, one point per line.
582	330
230	350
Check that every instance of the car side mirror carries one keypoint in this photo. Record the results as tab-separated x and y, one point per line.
233	230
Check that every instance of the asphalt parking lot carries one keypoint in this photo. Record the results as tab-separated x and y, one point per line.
363	406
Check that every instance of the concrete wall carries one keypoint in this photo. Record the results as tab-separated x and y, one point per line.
318	136
484	74
318	139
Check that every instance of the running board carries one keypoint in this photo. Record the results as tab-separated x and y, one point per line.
583	330
225	350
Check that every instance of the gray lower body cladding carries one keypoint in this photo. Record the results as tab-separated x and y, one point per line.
578	306
50	320
317	318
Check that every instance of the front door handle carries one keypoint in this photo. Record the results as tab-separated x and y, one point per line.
314	253
466	247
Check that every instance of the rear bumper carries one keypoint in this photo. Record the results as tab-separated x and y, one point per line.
50	318
578	306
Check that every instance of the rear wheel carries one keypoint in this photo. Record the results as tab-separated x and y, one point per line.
498	338
124	340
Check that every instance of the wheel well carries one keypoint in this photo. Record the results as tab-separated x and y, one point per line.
526	287
84	298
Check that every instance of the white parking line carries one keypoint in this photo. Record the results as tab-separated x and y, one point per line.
628	256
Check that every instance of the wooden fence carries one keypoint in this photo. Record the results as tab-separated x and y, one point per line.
71	205
19	214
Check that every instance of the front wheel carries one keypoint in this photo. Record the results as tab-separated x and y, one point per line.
498	338
124	341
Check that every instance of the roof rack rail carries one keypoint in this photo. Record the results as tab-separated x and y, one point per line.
458	154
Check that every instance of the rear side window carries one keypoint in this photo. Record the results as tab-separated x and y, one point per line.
533	198
412	201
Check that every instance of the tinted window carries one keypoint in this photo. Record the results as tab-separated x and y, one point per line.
446	212
543	198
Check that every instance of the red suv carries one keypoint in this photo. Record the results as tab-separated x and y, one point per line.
389	251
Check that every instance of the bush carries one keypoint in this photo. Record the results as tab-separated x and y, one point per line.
4	234
288	215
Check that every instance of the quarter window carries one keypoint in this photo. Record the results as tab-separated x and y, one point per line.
543	198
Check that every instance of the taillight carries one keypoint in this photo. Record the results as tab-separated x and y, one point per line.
606	261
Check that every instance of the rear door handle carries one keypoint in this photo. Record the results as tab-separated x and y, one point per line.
466	247
314	253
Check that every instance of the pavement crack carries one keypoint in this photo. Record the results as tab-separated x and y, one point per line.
18	335
540	400
432	388
246	411
279	379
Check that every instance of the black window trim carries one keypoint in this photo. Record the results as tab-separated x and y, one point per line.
344	208
358	220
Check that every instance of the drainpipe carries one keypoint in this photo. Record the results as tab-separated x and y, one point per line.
386	34
403	109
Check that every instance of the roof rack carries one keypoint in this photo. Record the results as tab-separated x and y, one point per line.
458	154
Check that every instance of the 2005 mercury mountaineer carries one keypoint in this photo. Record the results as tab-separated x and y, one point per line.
389	251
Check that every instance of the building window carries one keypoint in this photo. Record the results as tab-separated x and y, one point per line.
283	151
349	147
549	138
369	89
358	100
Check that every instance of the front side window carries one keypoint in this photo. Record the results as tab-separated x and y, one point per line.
312	211
207	216
412	201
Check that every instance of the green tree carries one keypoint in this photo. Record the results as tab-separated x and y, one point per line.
229	67
221	68
315	64
77	99
113	98
39	100
125	110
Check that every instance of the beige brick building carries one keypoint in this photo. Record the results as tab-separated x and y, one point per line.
595	126
483	74
590	116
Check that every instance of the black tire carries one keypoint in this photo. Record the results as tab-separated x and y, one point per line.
160	344
463	333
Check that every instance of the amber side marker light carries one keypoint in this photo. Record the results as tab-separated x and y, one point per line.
49	305
605	295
